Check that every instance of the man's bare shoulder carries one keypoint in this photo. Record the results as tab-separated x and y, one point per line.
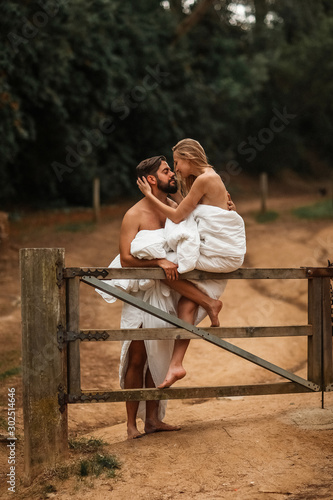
136	209
142	216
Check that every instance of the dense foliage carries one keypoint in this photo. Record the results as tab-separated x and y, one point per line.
91	87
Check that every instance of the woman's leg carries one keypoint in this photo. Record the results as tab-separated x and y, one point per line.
187	310
190	291
153	423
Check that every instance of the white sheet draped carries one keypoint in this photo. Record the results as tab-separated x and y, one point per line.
210	239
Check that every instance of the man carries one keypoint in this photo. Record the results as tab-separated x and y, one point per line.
137	218
142	217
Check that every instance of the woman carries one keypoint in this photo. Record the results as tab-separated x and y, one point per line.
221	231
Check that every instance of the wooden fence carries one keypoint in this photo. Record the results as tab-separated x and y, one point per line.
51	338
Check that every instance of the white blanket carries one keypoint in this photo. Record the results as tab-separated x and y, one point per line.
157	294
210	239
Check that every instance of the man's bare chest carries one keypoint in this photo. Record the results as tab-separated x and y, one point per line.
151	221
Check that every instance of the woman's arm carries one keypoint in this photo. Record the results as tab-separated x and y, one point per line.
186	206
177	197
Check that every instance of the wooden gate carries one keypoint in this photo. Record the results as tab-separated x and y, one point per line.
51	338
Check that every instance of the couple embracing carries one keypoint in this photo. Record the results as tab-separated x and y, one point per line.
181	224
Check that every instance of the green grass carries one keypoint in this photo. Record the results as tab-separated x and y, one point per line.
10	364
268	216
93	465
320	210
86	445
84	468
98	464
10	373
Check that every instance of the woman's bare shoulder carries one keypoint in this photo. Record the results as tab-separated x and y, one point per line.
210	177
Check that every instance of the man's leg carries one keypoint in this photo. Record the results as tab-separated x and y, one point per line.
153	423
189	290
187	311
134	380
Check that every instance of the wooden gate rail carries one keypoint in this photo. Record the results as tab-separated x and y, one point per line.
140	304
186	393
51	338
158	273
227	332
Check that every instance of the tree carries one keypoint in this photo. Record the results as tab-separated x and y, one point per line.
92	88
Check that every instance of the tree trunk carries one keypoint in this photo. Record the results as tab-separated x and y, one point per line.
261	9
192	19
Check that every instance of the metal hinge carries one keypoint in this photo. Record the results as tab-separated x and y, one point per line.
62	398
61	336
59	273
88	335
64	336
72	272
99	396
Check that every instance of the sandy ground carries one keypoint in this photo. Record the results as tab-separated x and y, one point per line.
262	447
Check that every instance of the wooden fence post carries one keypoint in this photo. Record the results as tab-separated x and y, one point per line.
73	325
327	336
263	191
96	199
315	318
44	365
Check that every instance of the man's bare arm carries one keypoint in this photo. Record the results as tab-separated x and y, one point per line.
129	229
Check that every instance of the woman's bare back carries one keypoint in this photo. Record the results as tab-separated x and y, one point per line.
215	192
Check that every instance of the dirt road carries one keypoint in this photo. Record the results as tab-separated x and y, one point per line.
268	447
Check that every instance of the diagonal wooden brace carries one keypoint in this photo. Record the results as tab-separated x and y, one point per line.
173	320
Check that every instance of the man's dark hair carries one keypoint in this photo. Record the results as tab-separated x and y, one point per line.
149	166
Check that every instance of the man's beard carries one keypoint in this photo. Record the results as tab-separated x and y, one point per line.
167	187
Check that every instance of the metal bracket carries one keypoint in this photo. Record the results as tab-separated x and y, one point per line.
100	396
72	272
319	272
64	336
71	336
62	398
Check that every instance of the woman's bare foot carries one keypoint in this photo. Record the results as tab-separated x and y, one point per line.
159	426
133	433
174	374
213	312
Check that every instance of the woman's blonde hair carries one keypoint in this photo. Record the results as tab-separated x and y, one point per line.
191	150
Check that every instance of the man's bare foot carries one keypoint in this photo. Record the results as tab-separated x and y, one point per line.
133	433
213	312
172	376
159	426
